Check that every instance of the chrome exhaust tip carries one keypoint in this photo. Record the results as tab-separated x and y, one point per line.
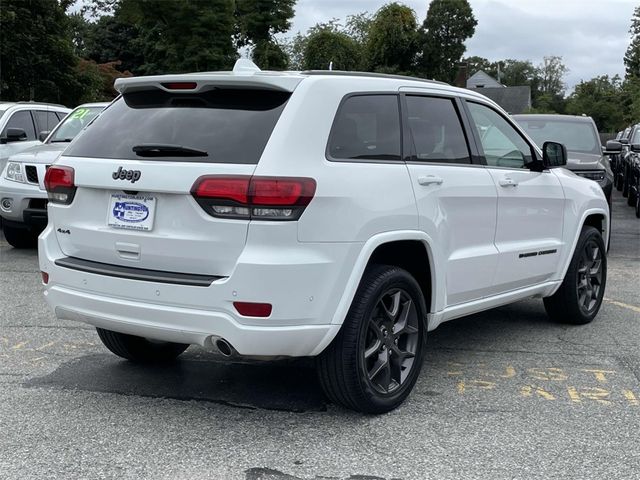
224	347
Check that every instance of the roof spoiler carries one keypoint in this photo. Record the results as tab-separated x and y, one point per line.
244	74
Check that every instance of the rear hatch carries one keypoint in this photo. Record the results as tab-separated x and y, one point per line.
135	166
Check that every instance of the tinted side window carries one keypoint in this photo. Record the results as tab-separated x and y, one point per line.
502	144
366	127
21	120
436	130
46	120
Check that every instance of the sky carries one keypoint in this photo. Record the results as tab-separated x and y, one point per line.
590	35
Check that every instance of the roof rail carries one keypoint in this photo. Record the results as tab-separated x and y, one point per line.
345	73
22	102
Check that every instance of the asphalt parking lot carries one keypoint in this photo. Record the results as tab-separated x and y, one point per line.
503	394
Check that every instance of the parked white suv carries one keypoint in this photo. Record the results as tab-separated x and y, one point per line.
325	214
23	199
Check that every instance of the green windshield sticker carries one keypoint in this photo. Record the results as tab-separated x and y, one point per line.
80	113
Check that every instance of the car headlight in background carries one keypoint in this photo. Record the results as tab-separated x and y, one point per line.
14	172
595	175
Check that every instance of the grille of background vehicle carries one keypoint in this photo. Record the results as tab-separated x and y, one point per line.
32	174
38	203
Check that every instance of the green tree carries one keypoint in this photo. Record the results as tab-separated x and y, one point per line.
475	64
37	60
552	72
632	56
329	46
514	73
392	40
448	25
599	99
182	35
113	38
630	99
257	21
358	25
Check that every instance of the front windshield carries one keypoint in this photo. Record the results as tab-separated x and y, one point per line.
576	136
74	123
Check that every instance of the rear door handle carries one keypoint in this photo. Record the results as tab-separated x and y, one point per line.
430	180
508	182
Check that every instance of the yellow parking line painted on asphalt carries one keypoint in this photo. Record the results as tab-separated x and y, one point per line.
18	346
628	394
633	308
46	345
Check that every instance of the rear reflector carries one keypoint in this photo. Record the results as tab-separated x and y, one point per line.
59	182
259	198
45	277
248	309
180	85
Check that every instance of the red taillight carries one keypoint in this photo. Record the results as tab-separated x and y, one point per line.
289	192
248	309
222	187
60	184
45	277
258	198
180	85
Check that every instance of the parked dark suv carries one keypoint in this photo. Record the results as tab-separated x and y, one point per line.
580	135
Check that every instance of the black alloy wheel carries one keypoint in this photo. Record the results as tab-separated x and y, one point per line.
579	297
589	278
391	342
374	362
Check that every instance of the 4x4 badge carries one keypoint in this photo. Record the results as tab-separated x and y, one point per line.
121	174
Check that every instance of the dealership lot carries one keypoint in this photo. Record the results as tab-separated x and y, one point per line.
503	394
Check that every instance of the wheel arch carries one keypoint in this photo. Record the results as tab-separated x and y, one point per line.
396	248
594	217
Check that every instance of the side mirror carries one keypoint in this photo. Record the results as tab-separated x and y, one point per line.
554	154
43	135
613	147
624	141
635	147
15	135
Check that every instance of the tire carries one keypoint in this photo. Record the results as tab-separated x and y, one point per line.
579	298
638	206
20	237
138	349
631	199
625	185
373	339
618	182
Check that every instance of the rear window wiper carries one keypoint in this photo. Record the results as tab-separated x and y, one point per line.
163	150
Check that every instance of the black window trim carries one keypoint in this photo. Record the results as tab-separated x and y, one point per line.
408	144
474	131
33	121
327	151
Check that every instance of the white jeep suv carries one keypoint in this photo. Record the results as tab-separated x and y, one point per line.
326	214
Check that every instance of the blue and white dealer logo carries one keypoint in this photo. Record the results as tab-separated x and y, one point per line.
132	212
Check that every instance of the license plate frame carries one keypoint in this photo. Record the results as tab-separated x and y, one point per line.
131	212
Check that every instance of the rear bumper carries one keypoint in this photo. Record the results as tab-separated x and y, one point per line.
189	326
304	284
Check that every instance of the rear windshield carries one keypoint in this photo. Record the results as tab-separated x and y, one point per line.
230	125
576	136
